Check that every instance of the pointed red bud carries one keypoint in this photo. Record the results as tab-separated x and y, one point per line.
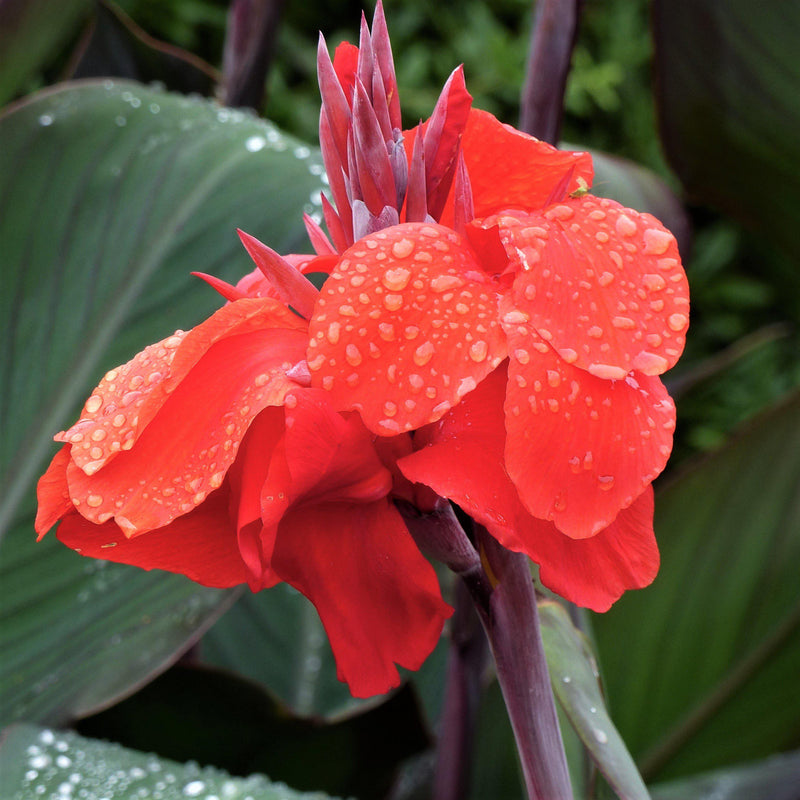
382	50
443	139
225	289
294	288
319	241
463	207
416	192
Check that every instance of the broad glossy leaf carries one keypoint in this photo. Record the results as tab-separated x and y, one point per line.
573	673
30	33
76	633
727	83
701	668
111	195
38	762
775	778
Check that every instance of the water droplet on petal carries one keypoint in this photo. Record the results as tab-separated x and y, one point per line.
93	403
623	323
677	322
656	242
393	301
607	372
353	355
606	482
445	283
568	354
334	330
94	500
625	225
403	248
396	280
478	351
423	354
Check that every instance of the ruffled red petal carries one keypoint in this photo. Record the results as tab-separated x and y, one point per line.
602	283
461	458
52	493
580	448
186	449
128	397
376	595
404	327
595	572
200	545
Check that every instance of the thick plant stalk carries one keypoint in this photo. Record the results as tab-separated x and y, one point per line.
512	626
465	664
499	583
555	26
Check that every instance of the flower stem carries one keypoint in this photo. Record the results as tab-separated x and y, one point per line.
512	626
555	27
465	664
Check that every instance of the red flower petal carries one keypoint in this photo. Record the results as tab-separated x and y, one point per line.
580	448
603	284
461	458
404	327
192	438
595	572
201	545
510	169
376	595
128	397
52	493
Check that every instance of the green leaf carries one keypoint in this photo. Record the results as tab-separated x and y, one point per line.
112	194
775	778
30	32
574	676
727	83
37	762
78	633
702	666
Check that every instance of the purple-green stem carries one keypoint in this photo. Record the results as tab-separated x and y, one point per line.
555	27
506	606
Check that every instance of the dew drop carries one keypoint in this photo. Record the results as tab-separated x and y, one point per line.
411	332
389	408
478	351
416	382
623	323
606	278
403	248
656	242
353	355
607	372
553	377
568	354
94	500
515	317
446	283
677	322
522	355
560	503
601	736
397	279
334	330
625	225
596	332
45	120
255	143
606	482
93	403
423	354
393	301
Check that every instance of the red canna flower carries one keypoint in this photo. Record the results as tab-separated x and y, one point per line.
495	260
208	455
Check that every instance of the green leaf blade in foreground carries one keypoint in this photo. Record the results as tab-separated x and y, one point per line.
702	666
575	684
113	193
38	762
